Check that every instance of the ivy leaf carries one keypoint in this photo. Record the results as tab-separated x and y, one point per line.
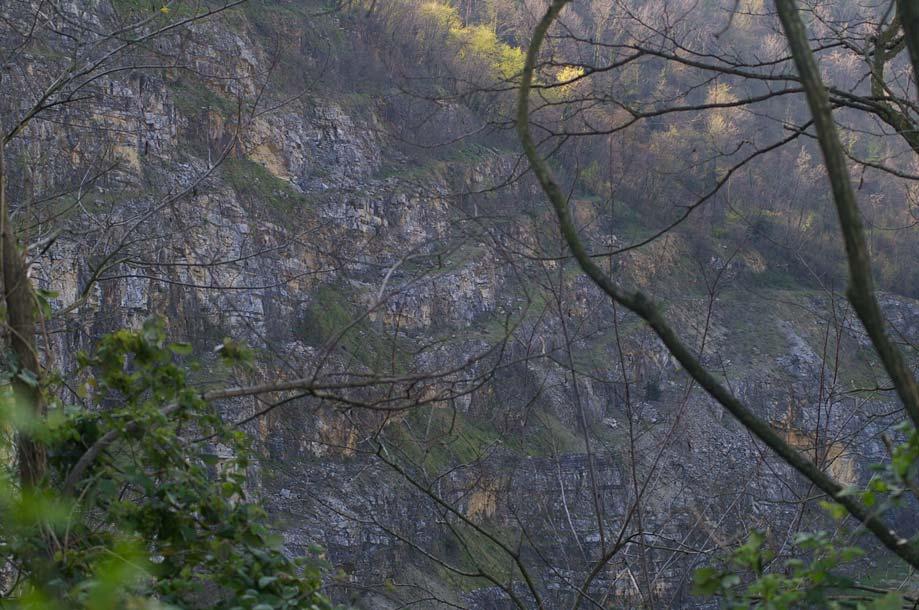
706	581
837	511
264	581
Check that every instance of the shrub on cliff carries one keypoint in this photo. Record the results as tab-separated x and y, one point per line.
145	502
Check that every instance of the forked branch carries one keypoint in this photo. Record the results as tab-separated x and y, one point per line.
646	309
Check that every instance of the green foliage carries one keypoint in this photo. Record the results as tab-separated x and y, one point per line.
252	181
332	319
894	479
161	518
777	278
796	584
480	42
448	439
441	165
816	582
475	45
440	439
193	98
545	435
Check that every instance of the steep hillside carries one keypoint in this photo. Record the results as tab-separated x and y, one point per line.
483	412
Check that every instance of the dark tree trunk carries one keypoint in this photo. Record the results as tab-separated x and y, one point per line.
20	319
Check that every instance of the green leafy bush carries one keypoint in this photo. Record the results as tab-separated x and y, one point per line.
162	517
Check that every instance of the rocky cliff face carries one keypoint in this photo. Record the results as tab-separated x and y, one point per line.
306	227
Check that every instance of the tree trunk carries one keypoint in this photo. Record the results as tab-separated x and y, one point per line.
908	11
20	319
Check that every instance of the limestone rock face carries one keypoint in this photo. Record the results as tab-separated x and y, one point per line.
309	229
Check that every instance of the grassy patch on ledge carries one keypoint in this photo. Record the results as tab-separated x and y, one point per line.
193	97
331	311
438	438
254	183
